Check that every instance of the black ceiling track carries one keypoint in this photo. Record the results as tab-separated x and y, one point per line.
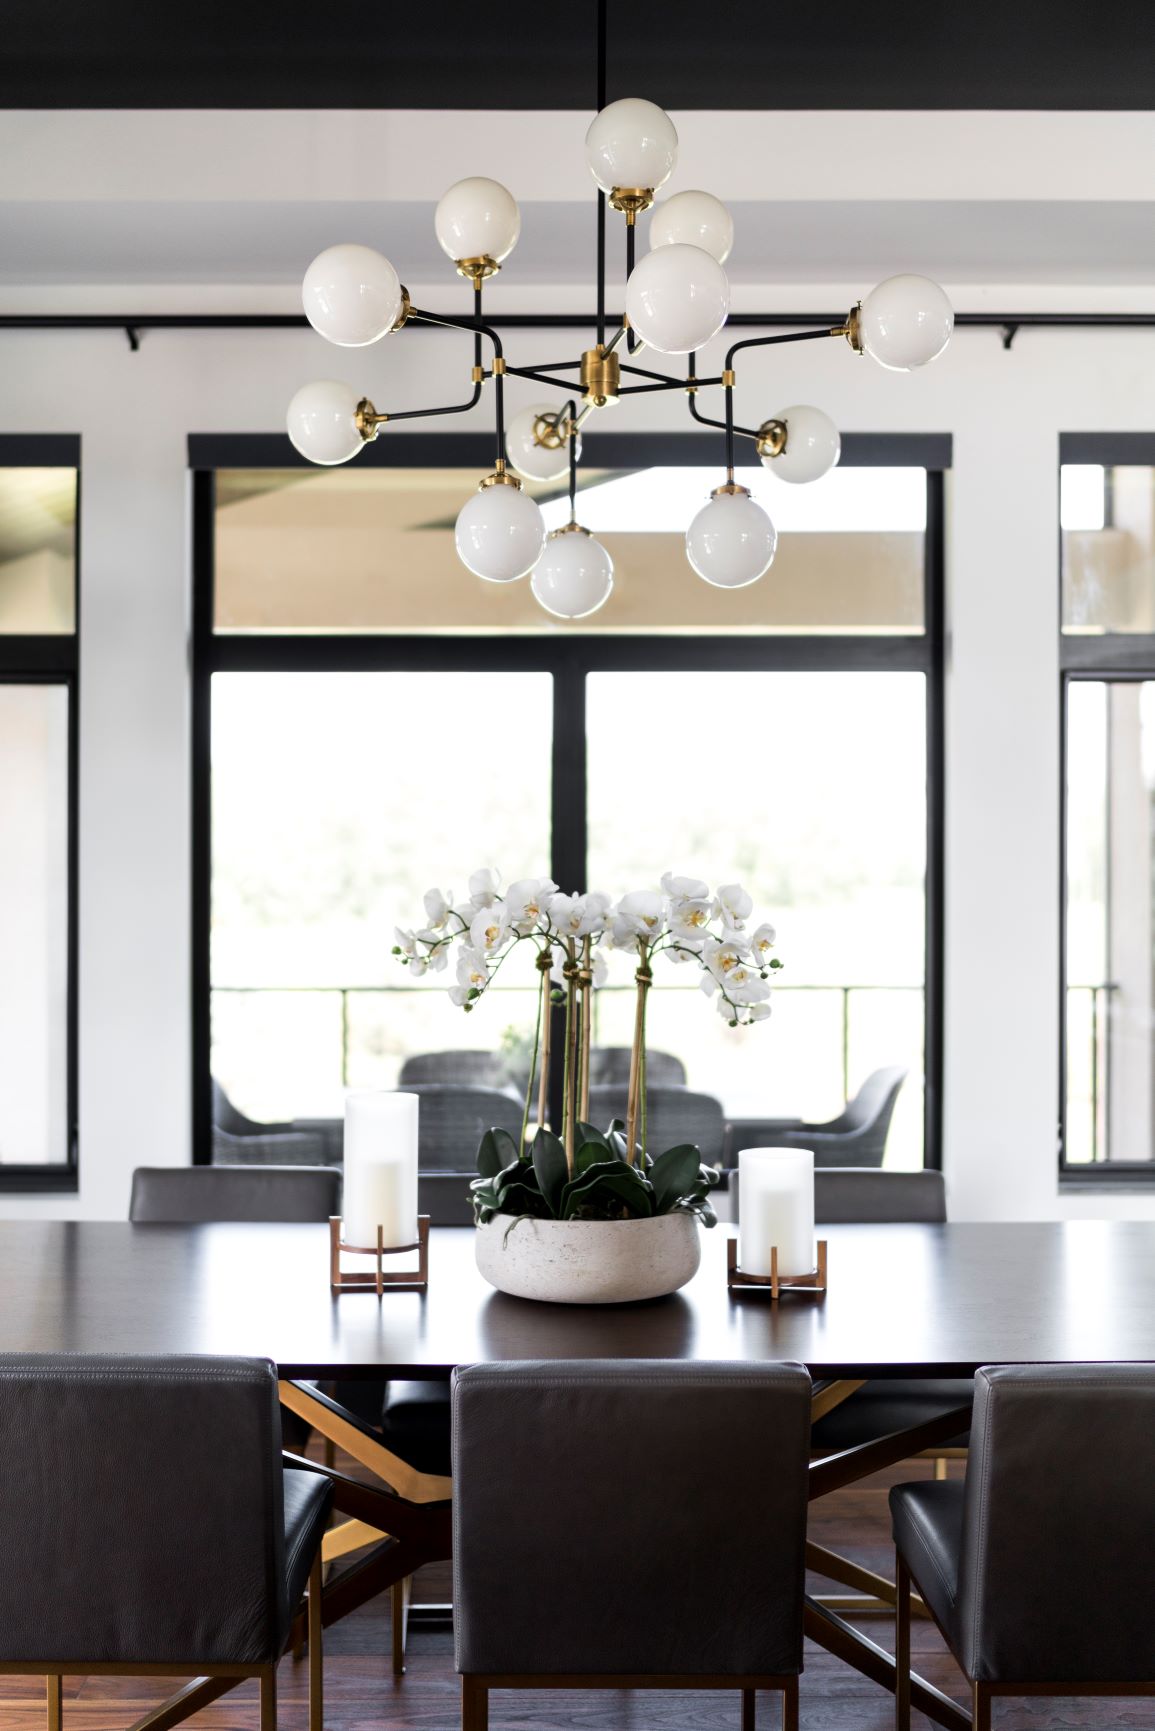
134	324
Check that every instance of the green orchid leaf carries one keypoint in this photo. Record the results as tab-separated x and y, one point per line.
550	1167
590	1133
601	1190
496	1149
523	1198
674	1173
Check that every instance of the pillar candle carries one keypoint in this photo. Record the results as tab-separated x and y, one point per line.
776	1208
380	1169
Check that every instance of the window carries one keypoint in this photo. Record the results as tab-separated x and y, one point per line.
38	492
1107	1109
365	720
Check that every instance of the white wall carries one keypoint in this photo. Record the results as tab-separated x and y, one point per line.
1005	410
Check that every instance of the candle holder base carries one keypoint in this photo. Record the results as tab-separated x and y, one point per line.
377	1280
774	1283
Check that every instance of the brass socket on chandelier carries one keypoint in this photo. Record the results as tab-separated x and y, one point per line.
552	432
852	329
500	477
572	529
477	269
406	309
367	420
630	200
601	376
732	487
771	438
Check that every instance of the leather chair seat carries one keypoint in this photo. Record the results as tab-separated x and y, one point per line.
410	1418
890	1404
308	1497
928	1530
415	1424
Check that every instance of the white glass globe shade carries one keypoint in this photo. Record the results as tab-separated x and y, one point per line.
631	143
813	445
731	541
536	462
477	218
351	295
677	298
574	576
696	219
500	533
905	322
321	422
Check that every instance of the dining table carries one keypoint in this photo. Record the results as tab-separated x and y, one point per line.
902	1301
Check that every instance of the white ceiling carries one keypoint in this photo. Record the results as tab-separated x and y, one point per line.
201	242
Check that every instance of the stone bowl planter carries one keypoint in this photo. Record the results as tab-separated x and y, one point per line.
589	1261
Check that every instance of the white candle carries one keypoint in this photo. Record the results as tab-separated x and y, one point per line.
380	1169
776	1209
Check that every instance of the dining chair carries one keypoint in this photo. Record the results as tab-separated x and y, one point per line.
191	1195
1037	1569
673	1115
856	1137
594	1545
151	1529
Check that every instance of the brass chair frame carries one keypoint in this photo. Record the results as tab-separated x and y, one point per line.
475	1687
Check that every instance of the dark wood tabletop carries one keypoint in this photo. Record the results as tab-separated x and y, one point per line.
908	1300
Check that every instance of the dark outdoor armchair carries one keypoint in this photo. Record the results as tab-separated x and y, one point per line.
857	1137
242	1141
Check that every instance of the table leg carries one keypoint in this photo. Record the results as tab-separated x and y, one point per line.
828	1630
201	1692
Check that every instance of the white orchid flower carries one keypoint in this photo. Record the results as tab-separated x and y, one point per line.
681	889
707	984
685	950
746	986
438	908
406	941
417	967
485	887
734	906
722	959
472	967
526	901
640	915
762	943
689	917
759	1012
459	995
578	916
437	959
488	929
600	970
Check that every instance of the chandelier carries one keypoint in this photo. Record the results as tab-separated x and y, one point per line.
677	300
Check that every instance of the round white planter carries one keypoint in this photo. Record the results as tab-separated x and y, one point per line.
589	1261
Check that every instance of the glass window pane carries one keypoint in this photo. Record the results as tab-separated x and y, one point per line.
33	924
1110	985
37	551
809	789
1108	522
372	550
337	799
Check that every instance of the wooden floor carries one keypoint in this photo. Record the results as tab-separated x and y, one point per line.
361	1694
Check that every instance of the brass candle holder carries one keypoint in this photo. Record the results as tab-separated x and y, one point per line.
774	1283
377	1280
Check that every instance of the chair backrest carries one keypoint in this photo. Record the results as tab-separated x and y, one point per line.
456	1069
233	1121
1055	1574
873	1104
846	1194
452	1120
592	1535
144	1522
610	1066
187	1194
673	1115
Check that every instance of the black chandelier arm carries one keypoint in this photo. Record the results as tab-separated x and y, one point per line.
647	373
631	239
548	367
708	421
663	385
449	409
542	378
479	329
783	337
571	421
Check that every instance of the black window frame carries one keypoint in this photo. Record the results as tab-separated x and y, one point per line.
568	656
53	659
1116	658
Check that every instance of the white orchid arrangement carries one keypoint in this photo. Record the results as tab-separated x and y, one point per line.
580	1174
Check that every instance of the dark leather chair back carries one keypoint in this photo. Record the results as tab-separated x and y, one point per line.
844	1195
673	1115
610	1067
1056	1569
592	1534
452	1120
142	1520
189	1194
456	1070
